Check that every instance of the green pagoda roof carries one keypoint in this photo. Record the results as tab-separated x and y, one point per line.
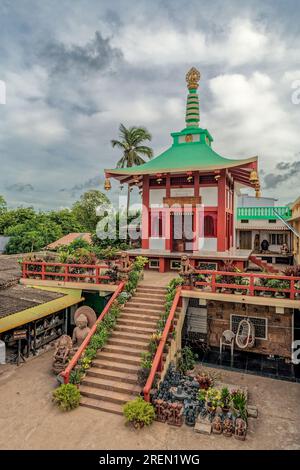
191	149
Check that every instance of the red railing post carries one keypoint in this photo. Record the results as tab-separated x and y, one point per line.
66	274
213	282
292	289
251	284
43	271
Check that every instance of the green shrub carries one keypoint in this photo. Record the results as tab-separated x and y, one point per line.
66	397
76	376
139	412
186	359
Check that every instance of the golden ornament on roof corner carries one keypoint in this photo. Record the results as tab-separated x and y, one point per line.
192	78
107	184
253	178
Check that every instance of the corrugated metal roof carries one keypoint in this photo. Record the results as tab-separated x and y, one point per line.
71	297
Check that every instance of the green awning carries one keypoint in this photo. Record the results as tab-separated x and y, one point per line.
71	297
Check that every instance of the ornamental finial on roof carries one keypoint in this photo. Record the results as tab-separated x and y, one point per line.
192	78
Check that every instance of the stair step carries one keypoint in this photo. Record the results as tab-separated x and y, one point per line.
103	364
147	300
115	340
142	324
106	395
147	295
134	329
119	349
145	306
139	317
119	358
152	290
145	311
114	386
101	405
110	374
131	336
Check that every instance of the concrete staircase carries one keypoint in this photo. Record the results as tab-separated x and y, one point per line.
112	379
268	267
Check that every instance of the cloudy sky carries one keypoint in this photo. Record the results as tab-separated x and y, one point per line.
75	69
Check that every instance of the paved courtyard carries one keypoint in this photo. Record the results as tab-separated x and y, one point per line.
29	420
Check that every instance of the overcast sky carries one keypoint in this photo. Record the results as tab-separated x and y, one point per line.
75	69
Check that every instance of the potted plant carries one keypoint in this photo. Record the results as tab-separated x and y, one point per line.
139	412
225	400
239	402
204	380
213	397
186	360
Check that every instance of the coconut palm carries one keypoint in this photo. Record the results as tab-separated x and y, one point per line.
132	145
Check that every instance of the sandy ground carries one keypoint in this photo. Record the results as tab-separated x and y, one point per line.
29	420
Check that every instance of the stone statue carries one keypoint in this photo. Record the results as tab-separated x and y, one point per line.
227	427
81	330
84	319
240	429
175	417
187	271
256	243
217	426
62	353
125	266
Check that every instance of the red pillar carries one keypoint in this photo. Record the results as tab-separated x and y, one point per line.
162	265
145	213
196	184
221	228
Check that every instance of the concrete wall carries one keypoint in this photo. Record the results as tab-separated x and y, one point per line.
279	326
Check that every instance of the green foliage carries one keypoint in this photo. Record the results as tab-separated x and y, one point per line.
140	262
139	412
66	397
3	205
225	397
76	376
186	359
146	362
84	210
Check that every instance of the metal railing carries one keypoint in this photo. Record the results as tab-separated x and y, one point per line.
64	272
263	212
66	373
157	363
224	282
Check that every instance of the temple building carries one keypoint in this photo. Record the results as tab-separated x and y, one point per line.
189	196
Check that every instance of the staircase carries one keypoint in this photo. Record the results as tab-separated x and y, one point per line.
268	267
112	379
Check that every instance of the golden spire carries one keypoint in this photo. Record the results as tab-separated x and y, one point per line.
193	78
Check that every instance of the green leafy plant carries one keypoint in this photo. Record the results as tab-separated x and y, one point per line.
146	361
225	398
239	401
186	359
76	376
66	397
139	412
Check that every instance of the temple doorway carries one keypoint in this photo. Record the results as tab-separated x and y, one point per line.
182	232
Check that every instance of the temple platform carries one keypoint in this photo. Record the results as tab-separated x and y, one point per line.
164	260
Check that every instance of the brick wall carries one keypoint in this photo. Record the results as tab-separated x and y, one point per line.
279	326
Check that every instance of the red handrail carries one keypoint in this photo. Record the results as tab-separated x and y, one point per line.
251	287
157	361
66	373
66	275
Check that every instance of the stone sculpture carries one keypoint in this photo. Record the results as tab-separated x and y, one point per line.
62	353
227	427
84	318
125	266
217	425
240	429
187	271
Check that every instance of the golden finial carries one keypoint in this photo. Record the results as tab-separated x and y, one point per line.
192	78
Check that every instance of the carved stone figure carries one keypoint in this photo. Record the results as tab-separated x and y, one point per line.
187	271
175	417
84	318
62	353
217	425
240	429
227	427
161	410
81	330
125	266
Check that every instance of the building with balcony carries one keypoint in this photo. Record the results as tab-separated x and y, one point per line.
262	227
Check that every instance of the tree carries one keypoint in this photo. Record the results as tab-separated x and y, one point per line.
131	143
32	235
67	220
3	205
84	210
10	218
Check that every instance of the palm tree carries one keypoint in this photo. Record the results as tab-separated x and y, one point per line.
131	143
